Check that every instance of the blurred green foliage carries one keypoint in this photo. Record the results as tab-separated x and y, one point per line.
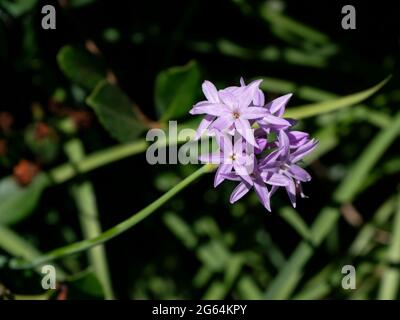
82	97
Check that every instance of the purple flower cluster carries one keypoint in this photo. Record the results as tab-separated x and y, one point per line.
257	147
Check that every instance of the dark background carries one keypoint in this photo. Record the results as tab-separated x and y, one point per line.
154	35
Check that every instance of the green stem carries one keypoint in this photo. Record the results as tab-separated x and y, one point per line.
100	158
96	160
68	171
12	243
85	199
114	231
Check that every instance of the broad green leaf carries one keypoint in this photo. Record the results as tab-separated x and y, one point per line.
115	112
17	202
176	89
81	67
314	109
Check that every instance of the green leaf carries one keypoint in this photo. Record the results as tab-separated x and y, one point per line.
220	289
273	252
327	140
79	3
285	282
85	286
86	202
115	112
17	202
288	278
214	254
314	109
176	90
46	148
248	289
314	94
389	287
81	67
215	291
18	7
364	239
15	245
116	230
292	217
282	22
352	184
181	229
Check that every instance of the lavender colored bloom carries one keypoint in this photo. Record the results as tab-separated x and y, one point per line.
244	186
250	155
281	164
262	141
232	109
211	94
297	138
232	155
274	121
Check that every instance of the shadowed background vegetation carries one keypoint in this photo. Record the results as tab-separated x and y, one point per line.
75	106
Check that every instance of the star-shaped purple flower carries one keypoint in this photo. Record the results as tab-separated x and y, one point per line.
232	109
281	164
257	147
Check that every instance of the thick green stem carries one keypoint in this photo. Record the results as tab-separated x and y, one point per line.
114	231
96	160
85	199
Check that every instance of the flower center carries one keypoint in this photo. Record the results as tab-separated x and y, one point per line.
236	114
233	157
